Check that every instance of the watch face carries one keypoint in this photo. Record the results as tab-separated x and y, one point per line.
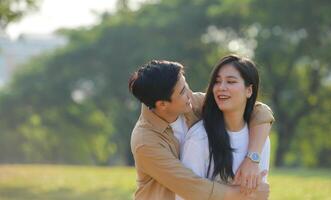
255	156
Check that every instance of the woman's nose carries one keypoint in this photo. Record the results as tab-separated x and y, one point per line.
222	86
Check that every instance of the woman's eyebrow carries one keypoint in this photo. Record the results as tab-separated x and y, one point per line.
232	77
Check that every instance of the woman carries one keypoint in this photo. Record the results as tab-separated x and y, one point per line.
215	147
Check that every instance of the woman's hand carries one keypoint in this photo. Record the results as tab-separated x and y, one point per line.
248	176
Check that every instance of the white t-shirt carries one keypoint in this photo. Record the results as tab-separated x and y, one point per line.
180	129
195	151
239	142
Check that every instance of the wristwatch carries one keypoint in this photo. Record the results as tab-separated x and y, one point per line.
254	156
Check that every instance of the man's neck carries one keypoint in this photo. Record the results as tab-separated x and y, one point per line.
234	121
166	117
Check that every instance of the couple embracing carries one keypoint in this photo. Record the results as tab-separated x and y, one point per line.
200	146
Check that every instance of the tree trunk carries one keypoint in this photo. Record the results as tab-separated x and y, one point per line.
129	157
285	135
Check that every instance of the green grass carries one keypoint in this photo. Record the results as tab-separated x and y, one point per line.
51	182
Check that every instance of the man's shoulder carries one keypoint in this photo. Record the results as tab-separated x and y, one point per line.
262	113
143	134
198	97
259	106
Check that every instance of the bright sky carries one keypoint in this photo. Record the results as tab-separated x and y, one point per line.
53	14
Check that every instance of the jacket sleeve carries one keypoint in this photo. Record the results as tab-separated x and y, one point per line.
164	167
261	114
197	100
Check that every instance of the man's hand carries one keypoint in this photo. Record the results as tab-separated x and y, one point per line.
261	193
233	193
248	176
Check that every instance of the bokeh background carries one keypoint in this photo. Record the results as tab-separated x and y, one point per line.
66	115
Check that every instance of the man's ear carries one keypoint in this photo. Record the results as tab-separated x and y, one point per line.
249	91
161	105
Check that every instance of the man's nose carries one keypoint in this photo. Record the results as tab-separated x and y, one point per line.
188	95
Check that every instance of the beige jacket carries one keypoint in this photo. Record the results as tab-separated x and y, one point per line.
160	174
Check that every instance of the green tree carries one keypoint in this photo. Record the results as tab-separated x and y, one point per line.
13	10
85	110
291	50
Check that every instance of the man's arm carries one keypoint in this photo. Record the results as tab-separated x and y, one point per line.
169	171
261	114
197	100
262	193
160	164
248	174
258	135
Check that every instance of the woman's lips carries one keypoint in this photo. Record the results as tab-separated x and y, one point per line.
223	97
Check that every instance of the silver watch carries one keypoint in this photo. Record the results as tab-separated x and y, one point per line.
254	156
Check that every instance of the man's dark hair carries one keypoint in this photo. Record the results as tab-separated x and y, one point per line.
155	81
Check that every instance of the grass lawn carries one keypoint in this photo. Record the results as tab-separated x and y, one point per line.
52	182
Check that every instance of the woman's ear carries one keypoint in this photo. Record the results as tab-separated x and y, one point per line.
249	91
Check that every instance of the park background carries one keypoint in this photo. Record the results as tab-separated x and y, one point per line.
66	115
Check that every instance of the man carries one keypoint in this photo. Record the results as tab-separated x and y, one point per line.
166	97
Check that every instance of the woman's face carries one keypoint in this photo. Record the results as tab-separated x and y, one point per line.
229	90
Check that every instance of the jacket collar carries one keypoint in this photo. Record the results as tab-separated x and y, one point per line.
157	123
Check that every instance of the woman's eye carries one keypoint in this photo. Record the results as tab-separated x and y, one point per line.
231	82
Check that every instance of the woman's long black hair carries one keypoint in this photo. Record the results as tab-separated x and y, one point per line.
220	150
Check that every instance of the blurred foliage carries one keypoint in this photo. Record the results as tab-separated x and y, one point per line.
13	10
73	105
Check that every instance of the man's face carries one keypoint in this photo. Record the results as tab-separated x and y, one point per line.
180	98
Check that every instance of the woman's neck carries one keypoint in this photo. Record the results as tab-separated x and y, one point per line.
234	121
